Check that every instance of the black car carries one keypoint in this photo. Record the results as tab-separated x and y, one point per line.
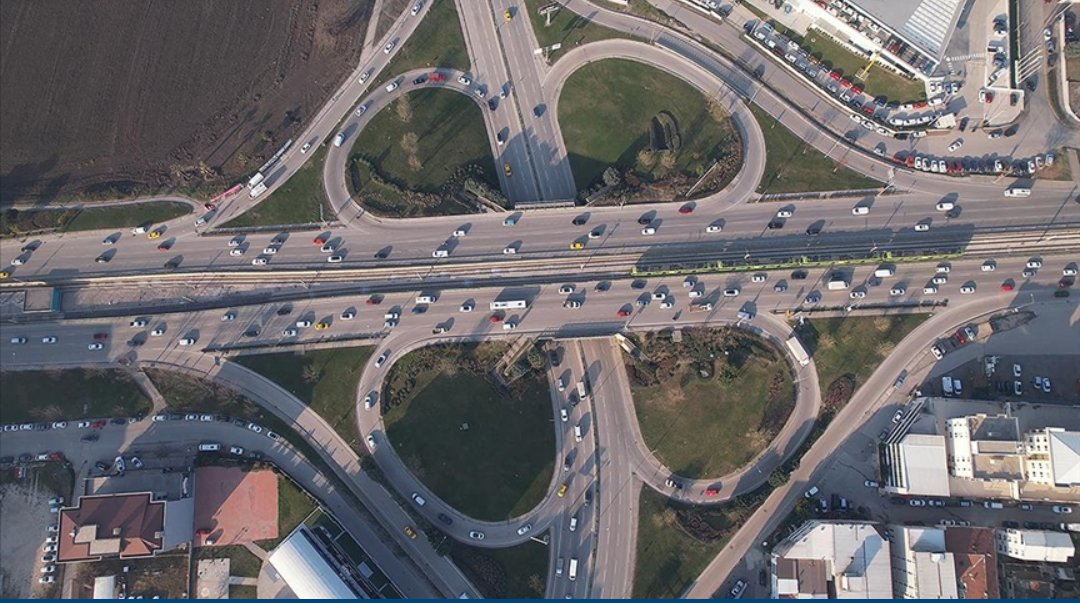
1010	524
580	220
251	333
493	103
134	343
239	422
419	309
102	259
900	136
101	466
381	255
798	275
637	284
223	419
255	455
284	310
555	358
1061	293
420	80
172	265
25	458
445	519
776	224
92	437
1031	525
119	421
813	230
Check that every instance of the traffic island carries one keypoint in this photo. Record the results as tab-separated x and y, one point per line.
708	401
517	572
486	451
635	133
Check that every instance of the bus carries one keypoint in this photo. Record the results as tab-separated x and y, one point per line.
513	304
572	573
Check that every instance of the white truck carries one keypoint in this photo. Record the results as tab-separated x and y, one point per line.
257	190
1017	192
838	282
513	304
797	350
572	572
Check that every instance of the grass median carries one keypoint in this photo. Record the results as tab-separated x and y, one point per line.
14	222
567	28
325	380
301	200
649	125
436	43
709	404
54	395
794	166
487	452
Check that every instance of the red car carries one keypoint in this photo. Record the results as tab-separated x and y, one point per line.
845	84
1006	287
164	247
437	77
318	241
712	492
856	90
209	206
97	424
869	110
960	337
495	318
834	76
101	336
624	312
686	209
1065	283
374	300
920	104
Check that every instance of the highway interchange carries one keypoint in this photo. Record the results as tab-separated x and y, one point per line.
612	457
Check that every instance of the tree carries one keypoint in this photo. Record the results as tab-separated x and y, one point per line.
311	373
267	136
611	177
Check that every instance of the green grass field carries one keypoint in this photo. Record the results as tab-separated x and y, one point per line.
853	346
708	427
605	111
500	466
31	396
436	43
301	200
14	222
325	380
418	143
793	166
522	568
567	28
669	559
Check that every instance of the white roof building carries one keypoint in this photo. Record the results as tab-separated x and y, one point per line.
918	466
1035	545
1053	457
922	569
833	560
307	570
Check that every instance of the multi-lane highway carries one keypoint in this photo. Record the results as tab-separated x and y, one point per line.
396	258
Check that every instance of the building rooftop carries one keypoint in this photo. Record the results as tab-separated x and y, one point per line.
111	525
307	570
1035	545
928	24
842	560
925	466
976	562
1065	456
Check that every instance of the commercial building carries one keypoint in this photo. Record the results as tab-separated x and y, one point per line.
1053	457
976	562
985	447
921	566
112	525
311	571
916	465
1035	545
832	560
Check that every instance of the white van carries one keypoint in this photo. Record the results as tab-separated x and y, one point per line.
884	271
992	505
425	299
947	386
577	432
209	447
1018	192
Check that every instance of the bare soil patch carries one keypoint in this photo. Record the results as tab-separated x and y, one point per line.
24	513
112	99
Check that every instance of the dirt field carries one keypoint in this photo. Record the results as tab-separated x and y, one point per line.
24	513
236	506
114	98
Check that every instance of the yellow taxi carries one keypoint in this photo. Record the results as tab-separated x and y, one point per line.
562	490
508	15
411	533
322	326
153	234
577	245
4	274
506	168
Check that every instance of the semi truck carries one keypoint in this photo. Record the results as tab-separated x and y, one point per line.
838	281
797	350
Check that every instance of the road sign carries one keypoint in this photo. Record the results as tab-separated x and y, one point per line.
547	9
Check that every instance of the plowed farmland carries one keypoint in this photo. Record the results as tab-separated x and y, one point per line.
131	96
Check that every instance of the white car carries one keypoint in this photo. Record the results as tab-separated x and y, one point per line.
648	230
238	451
967	289
594	234
369	402
929	290
1047	34
49	339
335	259
18	340
381	359
667	304
783	213
270	250
566	289
464	80
157	332
509	250
348	315
260	261
187	341
391	86
509	325
302	324
138	323
304	149
732	292
290	332
235	242
956	145
416	8
228	316
857	294
759	278
389	46
255	428
364	76
360	110
896	291
1034	264
370	442
713	228
95	346
860	210
466	307
1061	509
989	266
945	206
940	279
236	252
459	233
524	529
922	227
1068	272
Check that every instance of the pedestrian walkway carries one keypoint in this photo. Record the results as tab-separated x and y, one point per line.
147	386
256	550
